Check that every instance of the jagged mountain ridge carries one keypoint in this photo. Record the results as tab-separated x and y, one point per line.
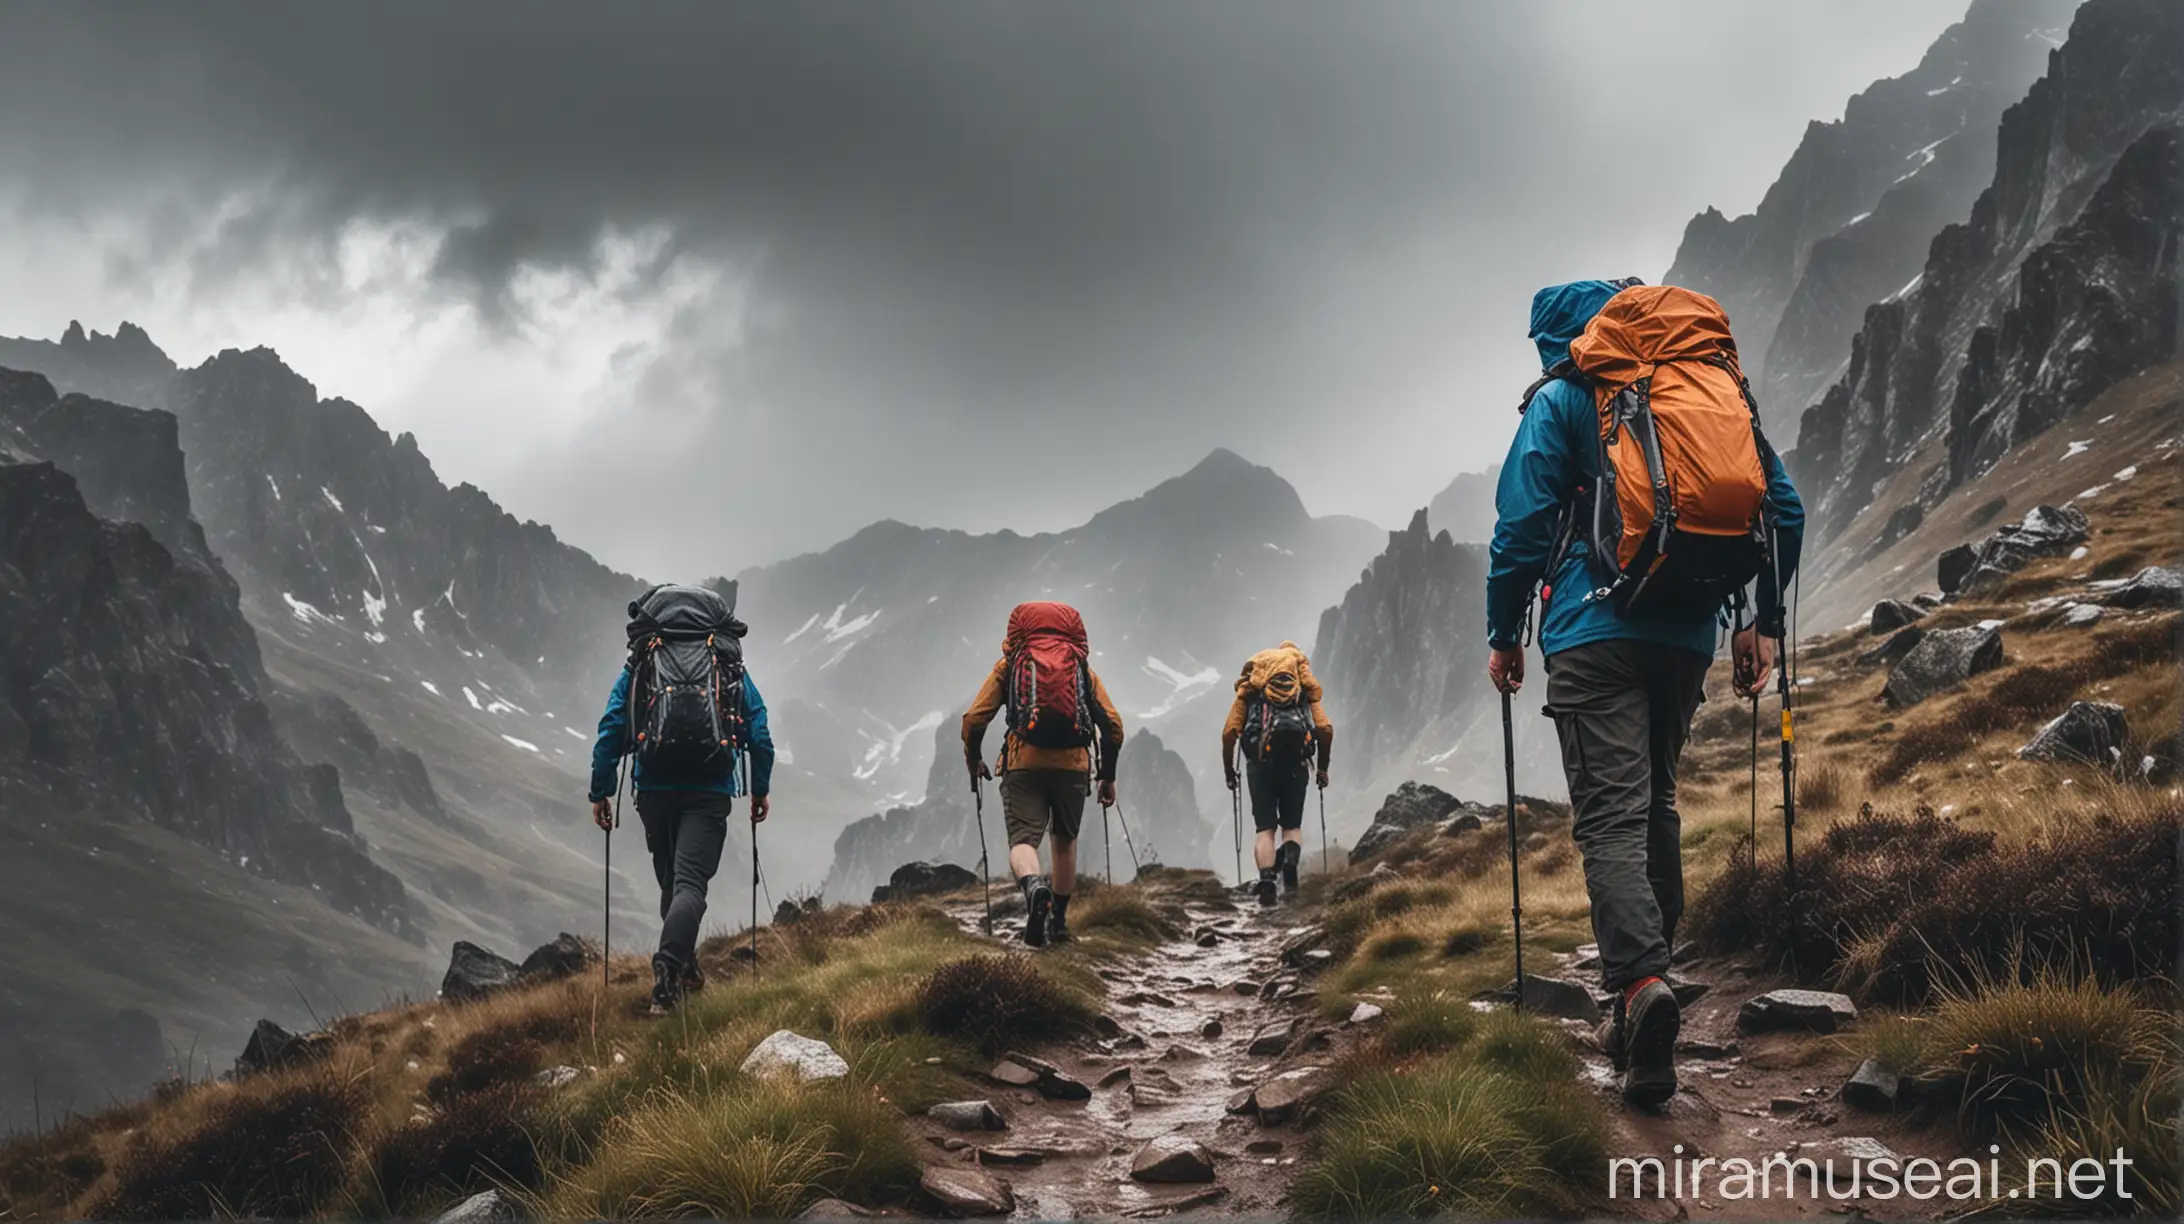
133	688
1848	219
2061	282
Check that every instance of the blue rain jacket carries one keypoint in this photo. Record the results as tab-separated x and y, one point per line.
613	738
1556	450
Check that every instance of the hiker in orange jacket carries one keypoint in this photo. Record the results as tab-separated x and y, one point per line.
1278	720
1058	711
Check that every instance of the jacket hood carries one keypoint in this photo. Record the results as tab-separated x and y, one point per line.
1560	313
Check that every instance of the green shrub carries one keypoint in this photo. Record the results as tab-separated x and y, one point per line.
989	1001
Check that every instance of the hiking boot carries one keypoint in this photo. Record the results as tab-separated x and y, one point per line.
693	981
1265	889
1040	901
1286	859
1058	930
667	984
1651	1021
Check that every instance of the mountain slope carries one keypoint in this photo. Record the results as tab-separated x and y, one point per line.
2060	283
1849	218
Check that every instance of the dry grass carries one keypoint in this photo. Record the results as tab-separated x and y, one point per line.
1124	918
1493	1124
990	1001
277	1146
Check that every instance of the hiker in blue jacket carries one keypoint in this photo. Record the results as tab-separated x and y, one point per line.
685	815
1622	689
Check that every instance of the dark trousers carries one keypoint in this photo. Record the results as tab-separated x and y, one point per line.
1277	792
1623	711
684	830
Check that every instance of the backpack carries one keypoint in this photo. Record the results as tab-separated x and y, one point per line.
1677	524
1278	721
686	680
1048	677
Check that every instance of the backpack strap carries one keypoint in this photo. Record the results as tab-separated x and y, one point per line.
1565	370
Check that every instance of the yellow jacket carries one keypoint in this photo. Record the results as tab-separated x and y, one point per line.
1285	657
1016	754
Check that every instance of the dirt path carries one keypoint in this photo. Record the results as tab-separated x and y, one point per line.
1174	1058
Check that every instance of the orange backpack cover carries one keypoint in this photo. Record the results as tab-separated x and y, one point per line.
1678	515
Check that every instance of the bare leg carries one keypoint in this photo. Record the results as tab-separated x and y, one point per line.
1262	851
1023	860
1065	865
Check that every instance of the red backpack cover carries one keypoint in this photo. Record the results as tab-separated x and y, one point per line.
1049	678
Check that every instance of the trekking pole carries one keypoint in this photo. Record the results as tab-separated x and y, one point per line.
1326	863
751	799
1755	785
1107	843
985	866
1236	815
1128	842
606	883
1516	903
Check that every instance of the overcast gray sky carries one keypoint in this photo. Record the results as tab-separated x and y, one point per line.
788	268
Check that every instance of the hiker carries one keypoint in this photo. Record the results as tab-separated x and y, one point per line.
1058	714
700	740
1279	723
1632	599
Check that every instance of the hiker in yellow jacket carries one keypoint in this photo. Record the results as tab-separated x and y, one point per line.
1057	708
1278	722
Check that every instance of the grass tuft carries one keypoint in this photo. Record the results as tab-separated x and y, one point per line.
471	1143
274	1146
990	1001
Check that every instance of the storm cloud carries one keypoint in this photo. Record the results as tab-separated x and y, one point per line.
784	269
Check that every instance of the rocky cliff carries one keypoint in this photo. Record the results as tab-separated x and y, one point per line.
1849	218
121	694
2061	281
1403	659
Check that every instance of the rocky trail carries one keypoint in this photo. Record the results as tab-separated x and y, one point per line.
1205	1054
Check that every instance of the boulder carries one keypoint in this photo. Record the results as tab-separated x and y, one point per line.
1271	1039
2091	731
1282	1098
966	1192
977	1115
921	879
566	956
1555	996
272	1047
2083	615
1942	660
1172	1159
488	1207
787	1053
1890	615
2153	587
791	911
1819	1011
1954	567
1413	804
1460	824
1899	644
1872	1087
2047	531
1047	1078
473	973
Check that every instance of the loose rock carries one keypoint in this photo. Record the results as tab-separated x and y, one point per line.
489	1207
2153	587
1272	1039
787	1053
1890	615
566	956
923	879
272	1047
1872	1087
1048	1078
473	973
1172	1159
968	1116
2091	731
833	1209
1550	996
558	1077
1820	1011
966	1192
1366	1013
1286	1095
1942	660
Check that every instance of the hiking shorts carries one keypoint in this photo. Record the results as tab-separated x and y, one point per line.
1278	789
1035	800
